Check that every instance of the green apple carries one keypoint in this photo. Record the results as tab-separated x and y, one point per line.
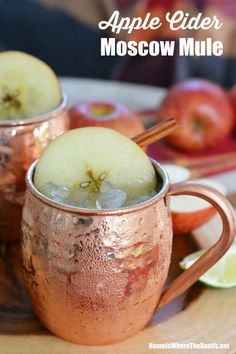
86	157
28	86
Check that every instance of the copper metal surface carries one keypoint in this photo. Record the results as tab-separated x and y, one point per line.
21	142
96	276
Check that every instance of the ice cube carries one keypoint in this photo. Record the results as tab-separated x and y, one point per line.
48	189
78	195
140	199
61	192
90	202
107	198
72	203
54	192
106	187
98	205
112	200
81	198
136	200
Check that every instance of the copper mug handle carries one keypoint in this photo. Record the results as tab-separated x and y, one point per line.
209	258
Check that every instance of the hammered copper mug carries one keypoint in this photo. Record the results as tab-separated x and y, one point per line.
97	276
21	143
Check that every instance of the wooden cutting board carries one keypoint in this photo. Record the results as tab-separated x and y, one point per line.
200	315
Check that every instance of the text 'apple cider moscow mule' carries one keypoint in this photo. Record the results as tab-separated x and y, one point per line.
32	113
97	236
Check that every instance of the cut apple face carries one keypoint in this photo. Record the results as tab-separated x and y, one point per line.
107	114
28	86
189	212
101	110
186	203
177	173
85	158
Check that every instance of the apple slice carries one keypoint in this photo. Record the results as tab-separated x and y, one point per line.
190	212
177	173
107	114
28	86
86	157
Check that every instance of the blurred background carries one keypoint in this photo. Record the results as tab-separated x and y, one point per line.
65	34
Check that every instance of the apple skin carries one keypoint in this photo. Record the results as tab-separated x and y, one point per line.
232	96
186	222
191	214
111	114
204	112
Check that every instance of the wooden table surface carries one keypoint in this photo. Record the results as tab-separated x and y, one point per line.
200	315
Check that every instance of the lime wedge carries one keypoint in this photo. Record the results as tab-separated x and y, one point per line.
222	274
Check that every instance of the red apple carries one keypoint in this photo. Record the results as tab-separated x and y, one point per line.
189	212
232	96
203	110
108	114
188	215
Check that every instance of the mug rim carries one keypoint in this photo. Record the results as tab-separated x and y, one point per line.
8	123
91	212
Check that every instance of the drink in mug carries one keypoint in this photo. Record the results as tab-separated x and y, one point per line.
97	236
32	113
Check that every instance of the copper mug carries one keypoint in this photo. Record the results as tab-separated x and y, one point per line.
21	143
96	276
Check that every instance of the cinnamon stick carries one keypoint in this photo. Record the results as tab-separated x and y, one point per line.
155	133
